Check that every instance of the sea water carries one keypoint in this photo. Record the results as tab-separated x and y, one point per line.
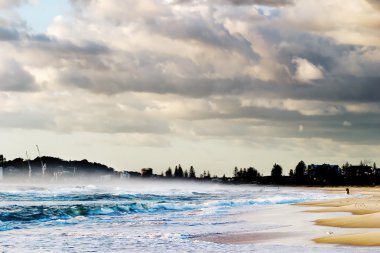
141	216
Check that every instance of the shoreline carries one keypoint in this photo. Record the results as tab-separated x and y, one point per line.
352	221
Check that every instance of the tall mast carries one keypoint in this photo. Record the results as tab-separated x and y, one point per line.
30	168
43	166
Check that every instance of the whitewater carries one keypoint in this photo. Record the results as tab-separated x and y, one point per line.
144	216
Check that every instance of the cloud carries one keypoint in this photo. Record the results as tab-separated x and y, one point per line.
8	35
243	2
355	23
375	3
14	77
198	69
306	71
347	123
11	3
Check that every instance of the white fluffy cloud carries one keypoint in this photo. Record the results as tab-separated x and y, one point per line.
307	71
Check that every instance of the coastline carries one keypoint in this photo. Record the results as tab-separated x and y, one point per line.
352	221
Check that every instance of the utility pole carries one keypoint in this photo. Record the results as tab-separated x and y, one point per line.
30	168
43	166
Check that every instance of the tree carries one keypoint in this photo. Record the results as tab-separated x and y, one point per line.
291	173
186	174
180	171
251	174
192	172
169	173
276	172
300	172
345	170
236	172
2	159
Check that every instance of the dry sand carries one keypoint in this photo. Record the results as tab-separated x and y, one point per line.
365	212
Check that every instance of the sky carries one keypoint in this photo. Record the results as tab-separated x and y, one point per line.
213	84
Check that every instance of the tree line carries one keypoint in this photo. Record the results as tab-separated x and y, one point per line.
301	174
324	174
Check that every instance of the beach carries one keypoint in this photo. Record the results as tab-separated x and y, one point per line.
353	220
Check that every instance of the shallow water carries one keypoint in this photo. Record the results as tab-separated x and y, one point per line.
134	216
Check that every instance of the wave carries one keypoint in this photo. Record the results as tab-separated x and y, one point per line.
12	217
41	206
19	213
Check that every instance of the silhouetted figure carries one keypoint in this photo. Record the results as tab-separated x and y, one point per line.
348	191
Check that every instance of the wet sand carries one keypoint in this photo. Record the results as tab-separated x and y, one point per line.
351	221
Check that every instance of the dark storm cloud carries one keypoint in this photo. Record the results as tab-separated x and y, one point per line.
337	60
8	34
14	78
205	31
154	83
341	89
55	46
317	49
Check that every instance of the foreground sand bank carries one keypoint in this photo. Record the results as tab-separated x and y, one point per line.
365	213
364	239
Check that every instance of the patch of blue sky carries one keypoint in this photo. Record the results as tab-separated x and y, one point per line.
40	14
269	12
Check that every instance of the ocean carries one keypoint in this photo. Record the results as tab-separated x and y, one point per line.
143	216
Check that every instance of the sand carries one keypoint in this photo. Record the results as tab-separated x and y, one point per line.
353	221
365	213
244	238
364	239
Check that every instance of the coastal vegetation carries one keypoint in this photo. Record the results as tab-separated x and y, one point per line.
301	174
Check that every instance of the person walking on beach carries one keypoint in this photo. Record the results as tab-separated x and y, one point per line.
348	191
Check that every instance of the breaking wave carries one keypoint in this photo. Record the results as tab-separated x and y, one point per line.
36	206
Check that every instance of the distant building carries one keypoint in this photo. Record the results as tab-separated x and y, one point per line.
147	172
323	172
314	169
358	171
